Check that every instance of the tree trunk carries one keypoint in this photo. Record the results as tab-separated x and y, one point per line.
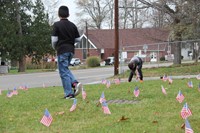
18	17
196	51
22	64
177	53
177	46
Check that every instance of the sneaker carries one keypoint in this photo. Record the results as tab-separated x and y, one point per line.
74	85
70	96
78	89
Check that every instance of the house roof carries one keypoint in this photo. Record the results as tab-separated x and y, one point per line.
105	38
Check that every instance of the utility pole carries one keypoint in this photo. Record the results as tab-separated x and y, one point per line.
87	43
116	65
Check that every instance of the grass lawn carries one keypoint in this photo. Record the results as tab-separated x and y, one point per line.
154	112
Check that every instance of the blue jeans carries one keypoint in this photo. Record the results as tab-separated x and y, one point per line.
66	76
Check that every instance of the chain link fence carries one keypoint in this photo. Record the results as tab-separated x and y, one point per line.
165	51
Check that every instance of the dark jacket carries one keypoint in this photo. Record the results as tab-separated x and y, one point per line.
135	63
66	32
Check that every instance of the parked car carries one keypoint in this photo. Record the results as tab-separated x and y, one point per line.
75	61
110	61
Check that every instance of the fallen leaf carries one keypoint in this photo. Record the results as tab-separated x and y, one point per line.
183	126
123	119
155	122
156	113
98	104
60	113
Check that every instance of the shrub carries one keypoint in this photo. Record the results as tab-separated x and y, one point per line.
43	65
93	61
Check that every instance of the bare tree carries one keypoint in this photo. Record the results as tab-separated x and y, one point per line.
174	9
95	10
133	14
50	7
111	16
123	15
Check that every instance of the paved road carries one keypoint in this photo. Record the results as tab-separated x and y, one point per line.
32	80
86	76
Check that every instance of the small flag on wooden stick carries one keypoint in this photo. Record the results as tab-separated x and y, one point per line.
15	92
108	84
190	84
73	105
180	97
117	81
104	81
163	90
188	128
136	92
84	95
185	112
170	80
102	98
105	108
9	94
46	119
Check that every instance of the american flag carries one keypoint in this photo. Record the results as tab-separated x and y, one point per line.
185	112
198	77
104	81
9	94
23	87
170	80
73	105
84	95
102	98
188	128
46	119
180	97
108	84
117	81
165	78
136	92
0	92
105	108
163	90
15	92
190	84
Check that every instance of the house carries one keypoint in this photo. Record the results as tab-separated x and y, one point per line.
145	42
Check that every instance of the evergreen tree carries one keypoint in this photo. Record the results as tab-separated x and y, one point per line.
25	31
40	33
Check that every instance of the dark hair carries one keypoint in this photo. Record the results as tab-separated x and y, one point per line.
63	12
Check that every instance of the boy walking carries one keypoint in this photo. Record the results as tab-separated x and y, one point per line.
64	35
135	64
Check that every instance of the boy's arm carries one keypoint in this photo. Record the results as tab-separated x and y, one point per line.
54	40
54	37
77	39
